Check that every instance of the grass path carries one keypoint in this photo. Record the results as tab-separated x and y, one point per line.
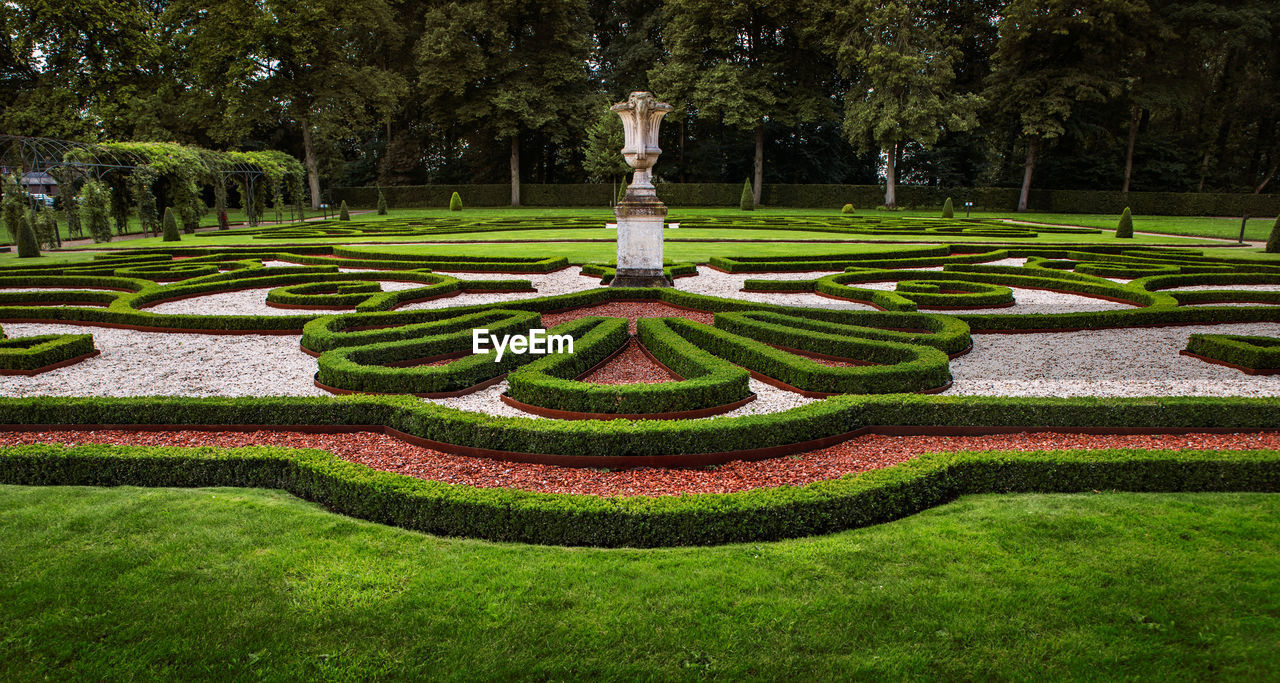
219	583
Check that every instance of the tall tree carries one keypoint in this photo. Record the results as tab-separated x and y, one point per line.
1051	55
904	80
506	68
745	64
305	63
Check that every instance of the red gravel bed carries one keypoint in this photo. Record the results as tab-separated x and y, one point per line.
630	310
856	455
631	366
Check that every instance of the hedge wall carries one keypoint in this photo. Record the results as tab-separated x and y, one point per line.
862	197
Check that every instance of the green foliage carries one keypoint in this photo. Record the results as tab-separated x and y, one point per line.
847	209
45	227
13	206
947	210
1273	242
71	209
343	213
746	201
455	202
220	203
382	202
94	210
1124	230
27	354
602	157
1252	353
171	233
622	190
28	244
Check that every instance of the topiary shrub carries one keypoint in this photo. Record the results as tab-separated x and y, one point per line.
94	212
1273	242
746	202
71	207
28	247
382	202
622	192
13	206
45	227
343	213
1125	228
847	209
455	202
171	233
947	210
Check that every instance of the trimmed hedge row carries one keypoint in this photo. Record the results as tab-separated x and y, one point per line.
708	381
900	368
830	417
1254	353
365	368
461	263
498	514
945	334
32	353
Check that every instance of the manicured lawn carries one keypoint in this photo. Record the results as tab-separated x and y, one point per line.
219	583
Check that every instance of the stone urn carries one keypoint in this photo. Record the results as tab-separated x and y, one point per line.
640	215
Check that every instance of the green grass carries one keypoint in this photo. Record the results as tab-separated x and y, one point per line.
218	583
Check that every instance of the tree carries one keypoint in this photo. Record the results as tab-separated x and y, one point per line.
602	157
744	64
507	68
28	246
343	213
171	233
45	227
948	211
382	202
142	179
1273	241
746	201
94	212
1052	55
903	88
313	64
1124	229
13	206
455	202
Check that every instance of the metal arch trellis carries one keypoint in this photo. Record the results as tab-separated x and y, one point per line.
71	159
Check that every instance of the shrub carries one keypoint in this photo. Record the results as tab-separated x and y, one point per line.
171	233
93	211
746	202
622	190
46	227
72	210
846	209
455	202
343	213
1125	229
1273	242
28	246
13	206
220	204
947	210
382	202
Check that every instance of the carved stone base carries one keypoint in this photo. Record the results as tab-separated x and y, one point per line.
640	277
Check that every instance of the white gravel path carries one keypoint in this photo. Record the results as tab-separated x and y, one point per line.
1126	362
249	302
1025	301
171	364
715	283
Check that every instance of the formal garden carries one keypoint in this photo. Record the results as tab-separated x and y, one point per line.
881	340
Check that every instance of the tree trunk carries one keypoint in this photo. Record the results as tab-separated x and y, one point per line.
1204	169
1134	119
1274	167
758	180
313	165
515	170
1028	169
890	178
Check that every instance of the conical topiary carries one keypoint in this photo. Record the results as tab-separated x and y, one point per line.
1273	242
28	246
947	210
382	202
343	214
455	202
747	201
847	209
622	191
170	226
1125	228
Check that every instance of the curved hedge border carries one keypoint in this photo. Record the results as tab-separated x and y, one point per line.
497	514
35	354
1253	355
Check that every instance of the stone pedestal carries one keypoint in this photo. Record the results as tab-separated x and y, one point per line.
640	222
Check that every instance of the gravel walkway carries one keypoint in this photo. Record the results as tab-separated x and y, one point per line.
171	364
715	283
860	454
563	281
1126	362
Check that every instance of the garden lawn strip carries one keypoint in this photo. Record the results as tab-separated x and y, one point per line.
860	454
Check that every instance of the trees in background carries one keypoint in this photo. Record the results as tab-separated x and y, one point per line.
1108	94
